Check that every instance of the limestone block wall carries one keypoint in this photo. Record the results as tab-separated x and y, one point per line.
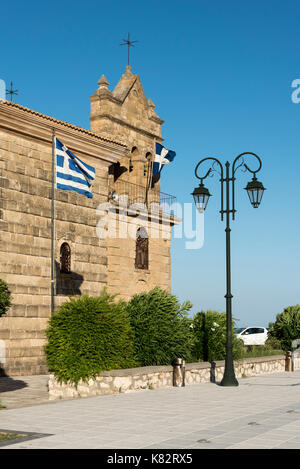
125	116
122	276
154	377
25	236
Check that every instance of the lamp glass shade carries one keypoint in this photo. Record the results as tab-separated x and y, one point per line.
255	191
201	197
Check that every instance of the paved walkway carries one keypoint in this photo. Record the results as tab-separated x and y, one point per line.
21	391
263	412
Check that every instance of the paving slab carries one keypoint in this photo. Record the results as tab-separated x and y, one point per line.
262	412
22	391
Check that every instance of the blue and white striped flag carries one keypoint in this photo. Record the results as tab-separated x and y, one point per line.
71	173
163	156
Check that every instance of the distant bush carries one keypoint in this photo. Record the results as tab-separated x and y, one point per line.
273	343
161	327
252	351
87	335
286	327
5	298
210	337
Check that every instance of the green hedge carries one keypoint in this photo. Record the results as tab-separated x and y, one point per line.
5	298
87	335
161	327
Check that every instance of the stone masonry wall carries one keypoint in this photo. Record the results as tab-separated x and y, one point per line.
25	241
153	377
124	116
123	278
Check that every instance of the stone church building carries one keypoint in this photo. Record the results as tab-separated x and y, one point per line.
121	147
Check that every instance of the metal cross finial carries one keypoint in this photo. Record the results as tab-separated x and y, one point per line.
129	43
11	91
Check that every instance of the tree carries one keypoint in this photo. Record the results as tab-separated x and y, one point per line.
286	327
161	327
210	337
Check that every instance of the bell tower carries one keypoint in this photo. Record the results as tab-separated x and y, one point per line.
126	116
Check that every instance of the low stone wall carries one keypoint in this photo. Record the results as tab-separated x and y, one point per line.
296	360
153	377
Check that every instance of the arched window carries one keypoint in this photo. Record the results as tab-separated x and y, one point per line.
142	247
65	258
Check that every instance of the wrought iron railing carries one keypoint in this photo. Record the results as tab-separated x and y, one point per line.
134	194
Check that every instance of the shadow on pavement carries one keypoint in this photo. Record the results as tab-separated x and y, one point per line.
9	384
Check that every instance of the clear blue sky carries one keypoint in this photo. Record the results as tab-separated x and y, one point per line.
220	74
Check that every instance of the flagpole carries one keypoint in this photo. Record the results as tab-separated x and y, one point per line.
152	163
52	221
148	181
151	176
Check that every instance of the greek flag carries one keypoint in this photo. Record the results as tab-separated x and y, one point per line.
163	156
71	173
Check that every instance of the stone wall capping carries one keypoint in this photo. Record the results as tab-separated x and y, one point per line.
189	366
138	371
270	358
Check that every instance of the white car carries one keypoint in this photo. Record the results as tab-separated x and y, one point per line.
252	335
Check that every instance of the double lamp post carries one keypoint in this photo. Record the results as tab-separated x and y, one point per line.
201	196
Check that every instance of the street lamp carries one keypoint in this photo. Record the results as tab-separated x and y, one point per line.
255	190
201	196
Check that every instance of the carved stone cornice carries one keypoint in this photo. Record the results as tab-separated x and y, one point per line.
106	96
127	124
157	120
157	217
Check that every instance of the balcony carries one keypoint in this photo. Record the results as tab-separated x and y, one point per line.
129	193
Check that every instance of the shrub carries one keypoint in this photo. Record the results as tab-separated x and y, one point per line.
5	298
161	327
286	327
210	337
272	343
88	335
251	351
